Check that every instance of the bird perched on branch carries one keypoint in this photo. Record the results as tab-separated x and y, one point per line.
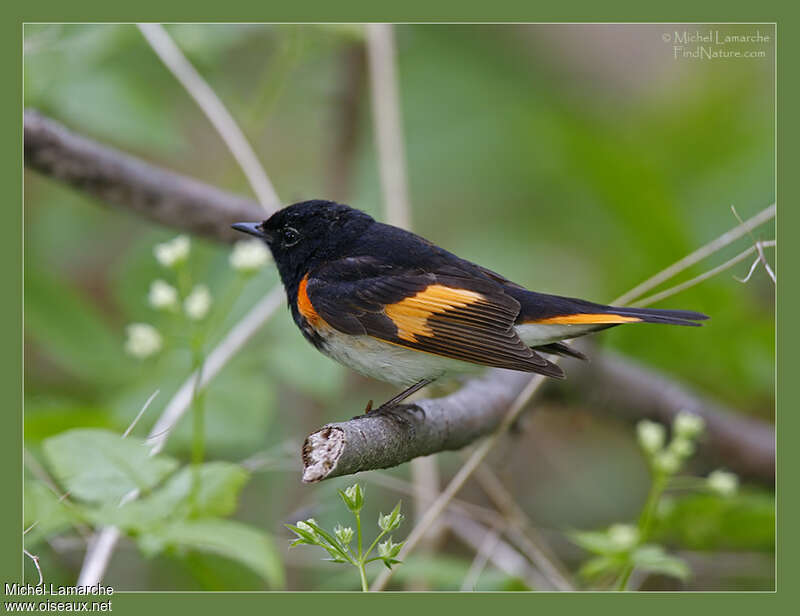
393	306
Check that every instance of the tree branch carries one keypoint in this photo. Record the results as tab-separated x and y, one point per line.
630	390
382	440
612	382
128	182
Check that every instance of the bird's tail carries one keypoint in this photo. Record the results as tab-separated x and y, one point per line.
543	309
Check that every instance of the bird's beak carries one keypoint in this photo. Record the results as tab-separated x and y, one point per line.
251	228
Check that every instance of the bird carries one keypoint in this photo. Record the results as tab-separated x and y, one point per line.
396	307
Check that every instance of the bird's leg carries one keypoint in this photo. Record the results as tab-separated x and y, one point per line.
402	396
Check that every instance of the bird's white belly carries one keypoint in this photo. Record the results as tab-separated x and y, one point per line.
390	362
403	367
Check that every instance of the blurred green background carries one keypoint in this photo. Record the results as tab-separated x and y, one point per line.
573	159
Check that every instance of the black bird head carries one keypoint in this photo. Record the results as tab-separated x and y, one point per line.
307	233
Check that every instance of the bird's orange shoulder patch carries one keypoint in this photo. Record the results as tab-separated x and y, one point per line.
411	314
305	307
586	319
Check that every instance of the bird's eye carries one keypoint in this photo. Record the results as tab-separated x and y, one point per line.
290	236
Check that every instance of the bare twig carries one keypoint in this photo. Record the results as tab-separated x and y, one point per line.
698	255
502	555
519	529
759	246
656	297
35	560
381	440
215	111
128	182
136	419
484	552
460	478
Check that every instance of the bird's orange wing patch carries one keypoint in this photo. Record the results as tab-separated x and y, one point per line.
305	307
585	319
411	314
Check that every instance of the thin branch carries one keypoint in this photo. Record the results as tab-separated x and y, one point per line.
698	255
520	527
35	560
460	478
656	297
387	123
215	111
381	440
503	555
484	552
127	182
141	412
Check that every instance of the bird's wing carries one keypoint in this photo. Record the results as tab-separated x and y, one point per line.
446	312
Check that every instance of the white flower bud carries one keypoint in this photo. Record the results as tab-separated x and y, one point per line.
667	462
307	527
681	447
143	340
249	255
623	536
197	303
723	483
343	534
162	295
173	252
650	435
688	425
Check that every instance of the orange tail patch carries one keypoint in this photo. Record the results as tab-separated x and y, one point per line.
586	319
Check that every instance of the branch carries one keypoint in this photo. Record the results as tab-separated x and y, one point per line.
383	440
128	182
698	255
628	389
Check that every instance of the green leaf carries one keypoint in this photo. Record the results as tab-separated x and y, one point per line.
218	488
240	542
745	521
100	466
600	565
597	542
653	558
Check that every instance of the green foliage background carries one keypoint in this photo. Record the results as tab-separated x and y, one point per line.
573	159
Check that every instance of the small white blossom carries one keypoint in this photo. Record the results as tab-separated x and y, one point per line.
173	252
667	462
197	303
143	340
681	447
162	295
623	536
688	425
307	527
650	435
343	534
723	483
249	255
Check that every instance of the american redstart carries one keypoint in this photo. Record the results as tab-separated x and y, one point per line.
394	306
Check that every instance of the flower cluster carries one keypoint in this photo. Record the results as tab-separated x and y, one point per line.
337	544
144	340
